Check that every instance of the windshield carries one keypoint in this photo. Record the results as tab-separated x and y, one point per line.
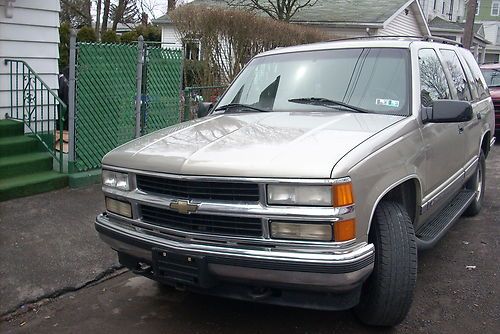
370	80
492	77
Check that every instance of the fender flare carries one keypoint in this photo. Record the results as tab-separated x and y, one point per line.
388	189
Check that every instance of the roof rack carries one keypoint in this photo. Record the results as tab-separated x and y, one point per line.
441	40
425	38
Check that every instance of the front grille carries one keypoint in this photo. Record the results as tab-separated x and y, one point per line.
210	224
188	189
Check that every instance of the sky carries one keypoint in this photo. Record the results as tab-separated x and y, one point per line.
154	8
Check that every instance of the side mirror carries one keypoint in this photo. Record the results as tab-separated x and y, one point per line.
448	111
204	109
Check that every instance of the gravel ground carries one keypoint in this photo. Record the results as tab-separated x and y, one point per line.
449	298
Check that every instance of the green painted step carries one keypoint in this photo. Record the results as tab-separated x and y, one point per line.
9	128
25	164
10	146
25	185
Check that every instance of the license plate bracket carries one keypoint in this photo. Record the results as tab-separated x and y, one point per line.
181	268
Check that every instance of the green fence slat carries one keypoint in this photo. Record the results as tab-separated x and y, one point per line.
163	83
105	97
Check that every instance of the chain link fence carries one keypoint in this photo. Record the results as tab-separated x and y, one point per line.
107	82
163	75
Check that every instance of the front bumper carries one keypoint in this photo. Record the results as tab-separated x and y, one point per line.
335	272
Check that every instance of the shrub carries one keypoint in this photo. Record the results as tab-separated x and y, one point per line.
109	36
149	32
129	37
86	34
230	38
64	34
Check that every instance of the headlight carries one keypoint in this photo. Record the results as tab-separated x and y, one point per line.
115	179
299	195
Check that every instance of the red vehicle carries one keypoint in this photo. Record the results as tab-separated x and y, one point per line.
491	73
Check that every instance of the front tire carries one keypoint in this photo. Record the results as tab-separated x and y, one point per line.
388	293
477	183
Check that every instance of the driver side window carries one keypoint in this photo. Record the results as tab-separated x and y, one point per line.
433	82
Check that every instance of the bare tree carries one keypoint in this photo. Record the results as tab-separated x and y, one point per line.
282	10
118	13
151	7
98	18
105	15
171	4
76	12
125	12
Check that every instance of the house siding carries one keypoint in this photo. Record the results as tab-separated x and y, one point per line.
32	35
403	25
170	37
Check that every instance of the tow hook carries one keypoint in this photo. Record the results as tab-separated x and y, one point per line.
260	293
142	268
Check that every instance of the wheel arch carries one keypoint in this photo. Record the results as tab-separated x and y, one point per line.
485	143
407	191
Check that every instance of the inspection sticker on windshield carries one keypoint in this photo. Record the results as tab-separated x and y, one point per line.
387	103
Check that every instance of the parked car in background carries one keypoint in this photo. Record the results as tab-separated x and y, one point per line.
491	73
312	181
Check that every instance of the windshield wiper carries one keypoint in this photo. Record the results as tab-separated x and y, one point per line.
240	107
319	101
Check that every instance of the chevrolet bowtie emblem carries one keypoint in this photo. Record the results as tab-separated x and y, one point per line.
183	207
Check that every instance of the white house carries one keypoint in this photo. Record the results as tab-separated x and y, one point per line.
345	18
170	38
450	10
29	30
340	18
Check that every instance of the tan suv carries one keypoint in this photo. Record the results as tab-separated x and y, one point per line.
314	179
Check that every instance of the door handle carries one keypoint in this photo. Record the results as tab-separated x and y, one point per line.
479	115
460	129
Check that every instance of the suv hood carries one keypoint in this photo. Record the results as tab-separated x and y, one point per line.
277	144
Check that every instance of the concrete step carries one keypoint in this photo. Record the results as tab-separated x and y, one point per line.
9	128
23	164
25	185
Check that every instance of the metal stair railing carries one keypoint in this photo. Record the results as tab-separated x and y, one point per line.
37	105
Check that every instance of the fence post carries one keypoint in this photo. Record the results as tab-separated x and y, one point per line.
138	96
71	98
187	105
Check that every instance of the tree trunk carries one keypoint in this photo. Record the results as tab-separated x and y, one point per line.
170	5
469	24
144	18
88	15
98	20
120	9
105	15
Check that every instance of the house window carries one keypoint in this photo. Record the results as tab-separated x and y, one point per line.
435	4
495	8
442	9
192	49
477	7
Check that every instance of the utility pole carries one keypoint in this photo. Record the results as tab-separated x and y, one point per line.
469	24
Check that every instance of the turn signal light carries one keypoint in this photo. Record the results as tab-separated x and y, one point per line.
344	230
342	194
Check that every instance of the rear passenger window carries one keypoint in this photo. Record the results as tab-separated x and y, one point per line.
457	75
470	78
433	83
482	88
